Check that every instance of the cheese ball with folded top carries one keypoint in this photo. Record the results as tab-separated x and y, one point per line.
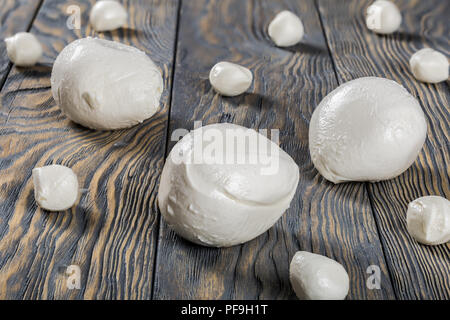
225	184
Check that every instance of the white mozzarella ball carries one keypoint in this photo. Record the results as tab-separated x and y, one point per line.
428	220
286	29
383	17
23	49
107	15
224	184
230	79
316	277
105	85
55	187
429	65
368	129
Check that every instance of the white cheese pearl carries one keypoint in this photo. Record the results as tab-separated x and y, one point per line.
316	277
383	17
24	49
429	65
105	85
107	15
286	29
55	187
230	79
219	202
368	129
428	220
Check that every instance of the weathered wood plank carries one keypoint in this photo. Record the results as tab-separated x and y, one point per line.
15	16
111	233
418	271
333	220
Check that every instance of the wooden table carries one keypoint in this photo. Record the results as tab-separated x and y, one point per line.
115	234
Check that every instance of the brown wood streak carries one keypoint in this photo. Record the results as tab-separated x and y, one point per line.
332	220
418	271
111	233
15	16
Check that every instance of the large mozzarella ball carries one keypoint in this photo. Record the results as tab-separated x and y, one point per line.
55	187
286	29
105	85
368	129
383	17
24	49
108	15
224	184
230	79
428	220
429	65
316	277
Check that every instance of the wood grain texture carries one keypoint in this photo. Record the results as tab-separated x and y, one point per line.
15	16
418	271
110	234
336	221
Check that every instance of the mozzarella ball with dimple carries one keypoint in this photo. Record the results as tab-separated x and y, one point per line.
230	79
428	220
383	17
105	85
286	29
107	15
368	129
429	65
23	49
316	277
55	187
225	184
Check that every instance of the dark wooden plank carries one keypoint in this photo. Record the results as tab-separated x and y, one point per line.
111	234
418	271
332	220
15	16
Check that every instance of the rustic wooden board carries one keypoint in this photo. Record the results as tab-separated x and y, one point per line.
336	221
111	233
418	271
15	16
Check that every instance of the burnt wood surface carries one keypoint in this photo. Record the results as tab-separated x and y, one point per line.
111	234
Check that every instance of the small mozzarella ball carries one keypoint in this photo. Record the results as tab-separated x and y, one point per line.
428	220
23	49
55	187
230	79
383	17
107	15
368	129
212	194
429	65
105	85
286	29
316	277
